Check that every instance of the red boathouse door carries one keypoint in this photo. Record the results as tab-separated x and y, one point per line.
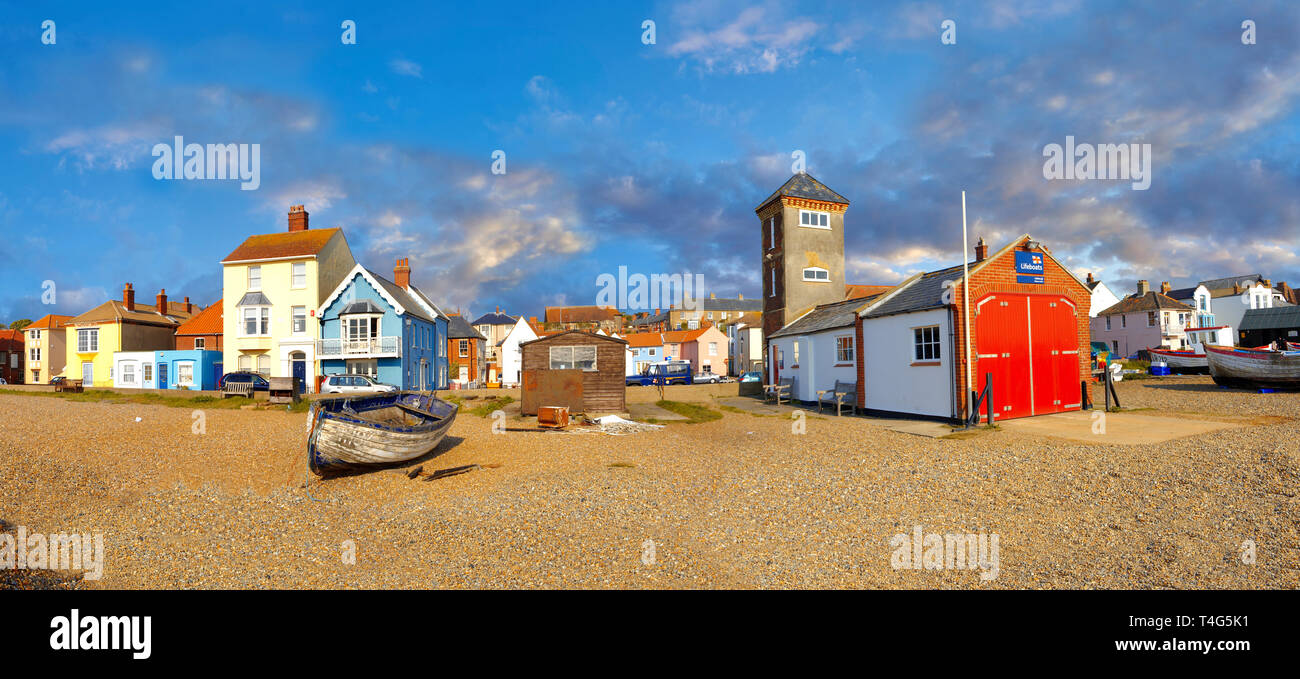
1029	345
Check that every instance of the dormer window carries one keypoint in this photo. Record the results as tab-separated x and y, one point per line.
814	219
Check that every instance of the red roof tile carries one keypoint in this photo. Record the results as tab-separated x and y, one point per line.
207	322
280	245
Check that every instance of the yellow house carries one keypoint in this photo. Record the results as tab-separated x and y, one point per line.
120	325
272	285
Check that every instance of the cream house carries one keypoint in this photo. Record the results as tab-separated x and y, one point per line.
272	286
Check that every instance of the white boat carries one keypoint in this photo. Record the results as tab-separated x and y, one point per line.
1254	367
1181	360
375	430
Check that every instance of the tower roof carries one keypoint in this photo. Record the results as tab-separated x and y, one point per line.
804	185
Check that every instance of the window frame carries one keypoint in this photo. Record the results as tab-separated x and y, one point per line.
293	275
91	335
845	353
816	215
815	270
249	278
927	345
573	358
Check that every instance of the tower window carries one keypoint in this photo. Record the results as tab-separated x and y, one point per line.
771	291
818	274
815	220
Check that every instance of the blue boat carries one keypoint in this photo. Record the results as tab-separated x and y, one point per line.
375	430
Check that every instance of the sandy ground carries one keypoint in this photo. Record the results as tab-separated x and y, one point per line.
738	502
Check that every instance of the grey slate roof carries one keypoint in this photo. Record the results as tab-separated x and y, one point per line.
1182	293
1219	283
459	328
730	304
254	299
825	317
408	301
495	318
652	318
1277	318
923	294
804	185
363	306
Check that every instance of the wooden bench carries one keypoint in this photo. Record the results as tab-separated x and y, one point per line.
244	389
73	386
780	390
844	393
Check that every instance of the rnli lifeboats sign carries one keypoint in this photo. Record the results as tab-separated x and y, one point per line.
1029	267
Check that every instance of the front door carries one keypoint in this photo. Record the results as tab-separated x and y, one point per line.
299	361
87	374
162	375
216	376
464	373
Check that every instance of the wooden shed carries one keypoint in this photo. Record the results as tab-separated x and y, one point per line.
578	369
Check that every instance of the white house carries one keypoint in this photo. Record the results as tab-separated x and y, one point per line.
512	357
1102	297
818	349
133	370
1222	302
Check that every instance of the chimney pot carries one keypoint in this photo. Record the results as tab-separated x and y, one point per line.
1091	280
981	250
128	297
297	218
402	273
1143	287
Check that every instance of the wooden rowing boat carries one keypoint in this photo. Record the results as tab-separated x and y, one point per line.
375	430
1254	367
1180	360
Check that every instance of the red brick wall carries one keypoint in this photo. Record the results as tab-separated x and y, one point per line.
471	361
999	276
210	342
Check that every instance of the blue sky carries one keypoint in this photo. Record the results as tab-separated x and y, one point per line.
646	156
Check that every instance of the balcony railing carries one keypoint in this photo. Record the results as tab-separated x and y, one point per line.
367	347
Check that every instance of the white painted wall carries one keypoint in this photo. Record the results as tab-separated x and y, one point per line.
818	368
1102	299
892	382
512	357
1230	309
137	360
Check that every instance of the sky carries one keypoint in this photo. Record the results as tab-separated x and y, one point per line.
648	156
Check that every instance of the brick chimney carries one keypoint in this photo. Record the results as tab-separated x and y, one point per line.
981	250
1165	288
402	273
297	218
162	301
1143	288
1091	280
189	308
128	297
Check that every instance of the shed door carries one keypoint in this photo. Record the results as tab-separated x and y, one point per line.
1029	344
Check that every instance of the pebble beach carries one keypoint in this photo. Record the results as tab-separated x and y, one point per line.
738	502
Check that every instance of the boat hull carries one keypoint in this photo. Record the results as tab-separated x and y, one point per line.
375	430
1181	361
1254	367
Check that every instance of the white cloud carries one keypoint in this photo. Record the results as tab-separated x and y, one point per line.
406	67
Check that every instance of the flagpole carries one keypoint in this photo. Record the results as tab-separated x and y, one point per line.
965	295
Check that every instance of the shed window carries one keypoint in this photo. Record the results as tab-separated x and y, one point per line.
844	349
573	358
926	343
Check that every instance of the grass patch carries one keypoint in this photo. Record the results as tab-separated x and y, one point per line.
492	405
693	412
109	396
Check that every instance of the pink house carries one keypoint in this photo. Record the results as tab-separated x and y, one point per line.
1144	320
705	348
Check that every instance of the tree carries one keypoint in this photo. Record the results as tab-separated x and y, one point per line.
20	324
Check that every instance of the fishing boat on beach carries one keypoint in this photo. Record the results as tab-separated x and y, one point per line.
374	430
1180	360
1254	367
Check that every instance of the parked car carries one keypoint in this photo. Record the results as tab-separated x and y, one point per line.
752	377
663	372
708	378
243	377
348	384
